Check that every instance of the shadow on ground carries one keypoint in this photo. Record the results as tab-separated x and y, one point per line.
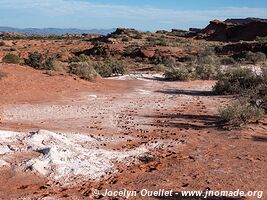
193	121
187	92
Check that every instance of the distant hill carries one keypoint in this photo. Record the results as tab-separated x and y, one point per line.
55	31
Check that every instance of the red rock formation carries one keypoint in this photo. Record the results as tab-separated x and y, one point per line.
230	32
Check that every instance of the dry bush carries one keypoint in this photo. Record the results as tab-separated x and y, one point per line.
255	58
38	61
239	113
83	70
234	81
179	72
2	43
11	58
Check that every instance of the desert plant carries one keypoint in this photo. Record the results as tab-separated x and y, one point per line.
49	64
103	69
13	48
2	43
239	113
80	58
180	72
38	61
228	61
83	70
11	58
255	58
125	39
234	81
138	36
117	67
34	60
206	72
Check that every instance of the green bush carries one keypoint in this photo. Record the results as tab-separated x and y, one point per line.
80	58
117	67
125	39
255	58
83	70
180	72
235	81
206	64
11	58
228	61
38	61
239	113
138	36
206	72
102	69
35	60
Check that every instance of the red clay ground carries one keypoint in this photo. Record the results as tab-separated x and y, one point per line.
183	114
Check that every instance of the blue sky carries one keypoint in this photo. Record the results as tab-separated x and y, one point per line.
140	14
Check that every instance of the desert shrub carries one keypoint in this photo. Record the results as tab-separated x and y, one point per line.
34	60
159	68
60	66
13	48
117	67
206	72
138	36
38	61
49	64
83	70
228	61
103	69
11	58
261	39
206	64
207	57
80	58
239	113
252	91
162	42
180	72
255	58
234	81
2	43
125	39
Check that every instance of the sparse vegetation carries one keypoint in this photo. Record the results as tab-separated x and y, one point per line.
252	89
236	80
227	61
240	113
2	43
255	58
13	48
11	58
178	73
117	67
102	69
83	70
38	61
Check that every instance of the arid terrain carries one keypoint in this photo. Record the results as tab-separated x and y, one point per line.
62	136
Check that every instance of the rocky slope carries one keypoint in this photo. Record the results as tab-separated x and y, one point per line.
234	30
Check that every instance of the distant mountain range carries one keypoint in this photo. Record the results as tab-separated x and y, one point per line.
55	31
